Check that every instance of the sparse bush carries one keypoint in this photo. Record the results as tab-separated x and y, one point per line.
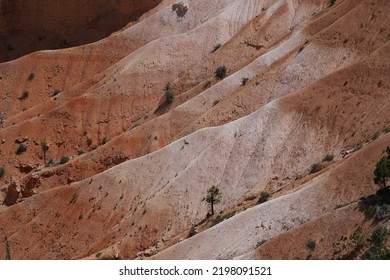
216	47
375	135
244	81
329	157
50	163
220	73
2	171
31	76
64	159
316	167
105	140
264	196
357	238
21	149
331	2
80	152
379	236
24	95
56	92
311	245
221	218
192	232
379	250
387	130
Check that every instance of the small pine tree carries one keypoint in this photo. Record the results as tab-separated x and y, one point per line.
382	171
213	197
45	148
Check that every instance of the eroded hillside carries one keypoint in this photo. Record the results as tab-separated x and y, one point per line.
108	149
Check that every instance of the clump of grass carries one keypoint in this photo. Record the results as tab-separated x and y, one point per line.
64	159
21	149
220	73
329	157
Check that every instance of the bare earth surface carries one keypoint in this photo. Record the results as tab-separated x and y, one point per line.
305	79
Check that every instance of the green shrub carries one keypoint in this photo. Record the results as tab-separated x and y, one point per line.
244	81
80	152
64	159
387	130
264	196
24	95
380	236
220	73
50	163
169	94
192	232
357	238
375	135
2	171
311	245
316	167
56	92
21	149
220	218
105	140
329	157
31	76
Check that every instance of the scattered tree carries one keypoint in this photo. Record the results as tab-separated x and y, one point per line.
382	171
45	148
213	197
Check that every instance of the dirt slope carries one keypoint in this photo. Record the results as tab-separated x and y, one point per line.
304	79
